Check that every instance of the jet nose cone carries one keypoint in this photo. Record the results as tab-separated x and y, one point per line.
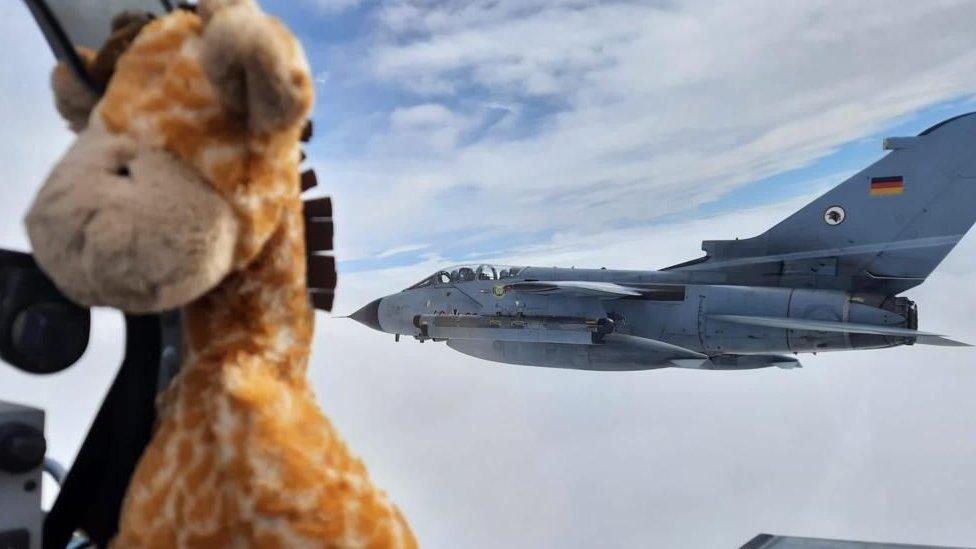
369	315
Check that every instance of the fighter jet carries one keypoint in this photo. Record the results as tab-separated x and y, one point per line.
827	278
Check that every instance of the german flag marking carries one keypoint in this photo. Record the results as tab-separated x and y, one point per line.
887	186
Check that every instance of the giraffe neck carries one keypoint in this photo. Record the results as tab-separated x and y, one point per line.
260	312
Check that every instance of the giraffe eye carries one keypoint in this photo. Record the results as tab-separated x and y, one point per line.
122	170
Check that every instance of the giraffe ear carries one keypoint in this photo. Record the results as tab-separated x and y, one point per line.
255	64
72	97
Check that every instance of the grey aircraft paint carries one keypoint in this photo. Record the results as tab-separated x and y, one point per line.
825	279
769	541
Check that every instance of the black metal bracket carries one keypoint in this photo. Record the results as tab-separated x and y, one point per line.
91	496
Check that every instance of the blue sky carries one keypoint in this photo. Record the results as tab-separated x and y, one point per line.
476	129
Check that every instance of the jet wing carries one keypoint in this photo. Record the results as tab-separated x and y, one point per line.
678	356
578	288
924	338
769	541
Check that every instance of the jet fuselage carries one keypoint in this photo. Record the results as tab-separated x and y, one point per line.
489	318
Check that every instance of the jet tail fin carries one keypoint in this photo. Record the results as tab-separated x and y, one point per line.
882	231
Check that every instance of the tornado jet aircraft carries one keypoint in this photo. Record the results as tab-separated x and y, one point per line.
827	278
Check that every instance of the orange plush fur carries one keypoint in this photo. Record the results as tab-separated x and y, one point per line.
242	455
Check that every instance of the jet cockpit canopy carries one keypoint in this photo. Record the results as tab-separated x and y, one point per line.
468	273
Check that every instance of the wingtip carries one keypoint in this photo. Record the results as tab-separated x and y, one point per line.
941	341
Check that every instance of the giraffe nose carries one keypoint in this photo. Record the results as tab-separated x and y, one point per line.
369	315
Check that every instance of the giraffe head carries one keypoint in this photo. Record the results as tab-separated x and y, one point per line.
181	170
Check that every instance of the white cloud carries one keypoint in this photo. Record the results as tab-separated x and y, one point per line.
421	116
333	6
401	250
427	128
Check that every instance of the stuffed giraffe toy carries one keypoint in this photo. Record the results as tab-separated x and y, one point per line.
182	190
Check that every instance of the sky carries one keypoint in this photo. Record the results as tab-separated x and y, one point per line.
596	133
